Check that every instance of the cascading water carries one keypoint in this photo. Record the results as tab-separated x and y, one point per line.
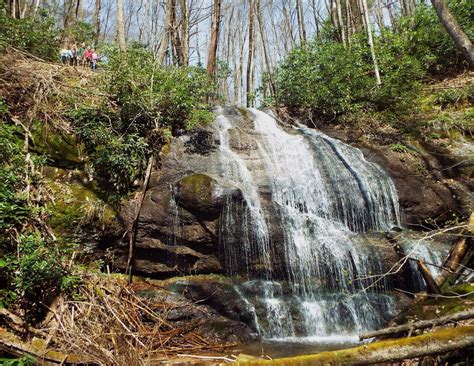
323	193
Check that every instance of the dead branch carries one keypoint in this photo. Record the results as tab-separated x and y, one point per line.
422	324
132	234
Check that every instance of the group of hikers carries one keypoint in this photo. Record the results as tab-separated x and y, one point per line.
80	56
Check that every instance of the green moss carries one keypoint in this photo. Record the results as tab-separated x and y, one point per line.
196	191
466	288
367	353
60	147
198	183
74	204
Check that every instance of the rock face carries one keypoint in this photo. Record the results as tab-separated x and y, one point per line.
199	217
434	183
178	232
207	304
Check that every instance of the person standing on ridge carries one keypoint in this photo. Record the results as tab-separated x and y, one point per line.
64	54
87	56
94	59
74	55
80	54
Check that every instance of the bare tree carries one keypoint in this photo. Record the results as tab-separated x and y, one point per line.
371	41
96	19
147	24
300	16
264	45
250	54
463	43
212	54
185	26
166	32
121	27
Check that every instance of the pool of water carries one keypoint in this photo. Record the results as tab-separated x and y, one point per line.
287	347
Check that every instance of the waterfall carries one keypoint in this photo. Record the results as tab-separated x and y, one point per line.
255	242
323	193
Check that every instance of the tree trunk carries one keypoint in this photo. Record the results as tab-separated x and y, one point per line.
300	16
371	41
77	11
250	54
15	9
431	284
340	22
147	24
185	31
315	17
460	38
96	19
212	54
264	46
175	37
166	33
132	233
121	27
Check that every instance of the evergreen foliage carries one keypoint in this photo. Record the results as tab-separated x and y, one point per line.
31	265
37	35
330	80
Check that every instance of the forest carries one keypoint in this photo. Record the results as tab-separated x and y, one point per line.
236	181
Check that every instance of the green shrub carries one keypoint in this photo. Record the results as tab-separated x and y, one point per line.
398	147
331	80
34	274
454	96
78	33
427	40
23	361
13	208
146	105
37	35
152	97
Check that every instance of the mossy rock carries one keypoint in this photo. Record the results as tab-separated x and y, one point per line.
171	283
379	352
62	149
76	206
203	196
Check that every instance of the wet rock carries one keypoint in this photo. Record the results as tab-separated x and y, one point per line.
203	196
219	295
204	319
423	197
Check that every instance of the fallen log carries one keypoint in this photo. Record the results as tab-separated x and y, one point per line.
439	342
422	324
18	325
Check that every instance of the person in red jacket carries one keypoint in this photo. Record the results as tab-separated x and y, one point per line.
88	56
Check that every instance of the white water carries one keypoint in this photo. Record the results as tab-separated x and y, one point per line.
235	169
324	191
